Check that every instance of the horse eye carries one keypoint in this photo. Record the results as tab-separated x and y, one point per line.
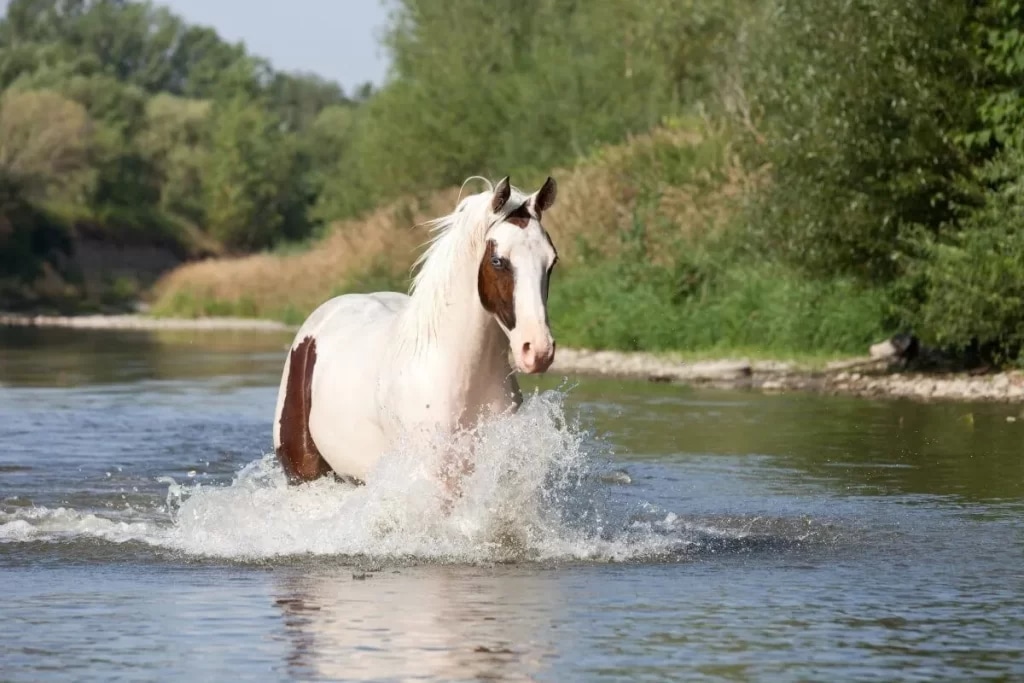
496	261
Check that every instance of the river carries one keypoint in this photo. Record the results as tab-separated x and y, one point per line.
612	531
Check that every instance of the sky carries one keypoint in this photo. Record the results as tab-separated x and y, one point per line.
336	39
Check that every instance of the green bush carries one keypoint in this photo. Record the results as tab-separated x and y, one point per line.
717	295
973	282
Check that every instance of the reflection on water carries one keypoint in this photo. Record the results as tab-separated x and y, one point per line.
58	357
966	450
435	623
788	537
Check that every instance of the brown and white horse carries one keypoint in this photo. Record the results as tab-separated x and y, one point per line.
365	370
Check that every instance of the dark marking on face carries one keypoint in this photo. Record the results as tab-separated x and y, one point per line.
521	217
298	454
495	283
546	284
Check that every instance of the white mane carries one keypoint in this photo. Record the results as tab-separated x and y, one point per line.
458	240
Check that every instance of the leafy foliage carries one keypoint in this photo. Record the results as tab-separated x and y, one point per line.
45	145
248	178
998	34
519	88
973	281
173	145
859	106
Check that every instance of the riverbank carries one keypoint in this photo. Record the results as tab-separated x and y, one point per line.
866	377
141	322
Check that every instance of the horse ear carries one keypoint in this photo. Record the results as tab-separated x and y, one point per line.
545	197
502	192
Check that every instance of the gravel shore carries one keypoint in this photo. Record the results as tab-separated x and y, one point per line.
857	376
866	376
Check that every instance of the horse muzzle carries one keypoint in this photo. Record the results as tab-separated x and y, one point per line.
535	357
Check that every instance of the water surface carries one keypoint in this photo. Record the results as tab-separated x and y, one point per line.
613	531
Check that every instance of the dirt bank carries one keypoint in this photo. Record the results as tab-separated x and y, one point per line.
856	376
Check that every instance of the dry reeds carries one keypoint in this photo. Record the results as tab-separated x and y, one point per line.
268	283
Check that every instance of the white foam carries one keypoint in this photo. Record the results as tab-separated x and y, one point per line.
531	496
61	524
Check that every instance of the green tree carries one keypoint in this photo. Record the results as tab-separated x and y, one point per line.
860	105
299	99
199	62
330	142
496	88
173	145
45	145
250	179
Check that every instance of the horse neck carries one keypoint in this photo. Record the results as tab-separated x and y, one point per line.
446	326
469	336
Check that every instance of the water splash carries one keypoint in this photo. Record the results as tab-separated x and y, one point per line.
535	494
530	495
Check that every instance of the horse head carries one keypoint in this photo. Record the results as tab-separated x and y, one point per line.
515	270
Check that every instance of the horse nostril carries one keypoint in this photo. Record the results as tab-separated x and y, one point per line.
526	347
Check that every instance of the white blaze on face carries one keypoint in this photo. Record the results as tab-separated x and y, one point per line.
531	256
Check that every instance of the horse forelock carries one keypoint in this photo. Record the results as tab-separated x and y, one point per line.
467	225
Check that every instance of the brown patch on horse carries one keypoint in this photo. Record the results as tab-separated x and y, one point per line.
496	286
298	454
521	217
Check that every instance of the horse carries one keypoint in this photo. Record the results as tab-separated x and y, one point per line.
365	369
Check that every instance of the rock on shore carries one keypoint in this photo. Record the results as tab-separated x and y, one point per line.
1002	386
